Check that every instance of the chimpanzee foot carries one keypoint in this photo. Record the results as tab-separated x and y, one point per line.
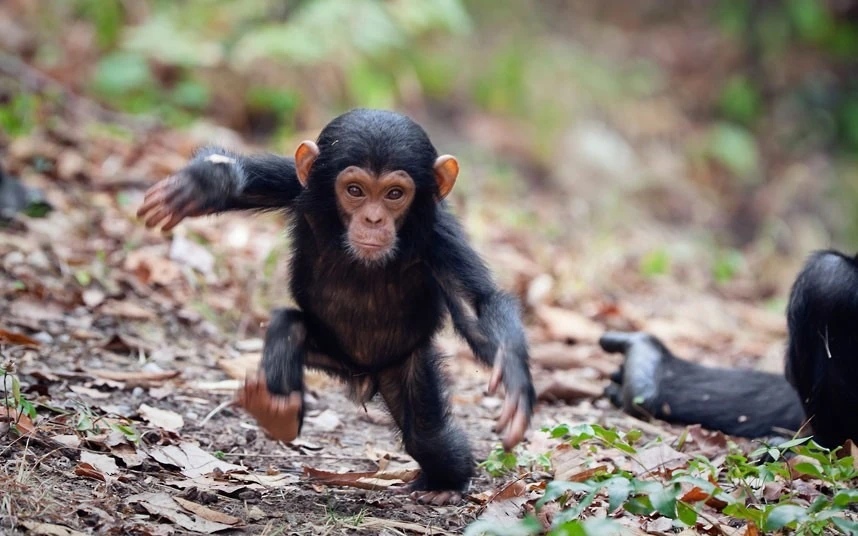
437	498
279	416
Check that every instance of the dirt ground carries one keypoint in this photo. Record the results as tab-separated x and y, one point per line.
131	345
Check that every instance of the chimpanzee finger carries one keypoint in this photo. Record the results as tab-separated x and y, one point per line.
510	404
152	199
616	341
497	374
179	215
517	428
159	215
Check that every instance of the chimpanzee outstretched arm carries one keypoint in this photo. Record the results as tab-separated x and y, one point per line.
217	180
488	319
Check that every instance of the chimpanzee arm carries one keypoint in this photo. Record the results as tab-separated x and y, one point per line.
217	180
488	319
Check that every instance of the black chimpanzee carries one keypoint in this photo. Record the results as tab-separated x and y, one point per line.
821	366
376	260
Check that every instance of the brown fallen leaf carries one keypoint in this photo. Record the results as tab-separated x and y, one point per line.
570	326
849	449
23	424
239	367
752	530
126	309
268	481
659	457
17	339
88	471
378	480
162	418
150	267
207	513
191	460
100	462
569	387
140	376
94	394
162	505
559	355
327	421
49	529
129	455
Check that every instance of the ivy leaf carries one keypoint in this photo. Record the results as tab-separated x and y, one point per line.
619	488
783	515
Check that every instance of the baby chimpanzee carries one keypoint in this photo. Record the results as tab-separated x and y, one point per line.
377	261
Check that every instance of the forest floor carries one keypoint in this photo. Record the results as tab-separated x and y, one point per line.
130	345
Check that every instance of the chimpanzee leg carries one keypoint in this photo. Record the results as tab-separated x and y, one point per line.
415	395
275	396
655	383
822	355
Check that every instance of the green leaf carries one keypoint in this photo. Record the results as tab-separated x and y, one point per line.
495	527
808	468
619	488
734	148
191	94
783	515
740	100
83	278
576	511
845	497
794	443
664	500
558	488
122	72
847	526
686	513
590	527
639	505
655	263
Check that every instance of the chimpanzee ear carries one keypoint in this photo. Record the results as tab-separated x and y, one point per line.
446	170
305	155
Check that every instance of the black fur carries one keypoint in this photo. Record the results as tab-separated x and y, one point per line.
653	383
822	354
373	325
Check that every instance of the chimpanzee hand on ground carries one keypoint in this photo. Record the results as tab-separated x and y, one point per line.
277	415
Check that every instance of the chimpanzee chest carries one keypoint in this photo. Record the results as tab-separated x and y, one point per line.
373	319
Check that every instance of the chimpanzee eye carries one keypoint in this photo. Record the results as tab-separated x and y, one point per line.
354	190
395	193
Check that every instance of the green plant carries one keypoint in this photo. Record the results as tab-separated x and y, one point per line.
737	484
18	116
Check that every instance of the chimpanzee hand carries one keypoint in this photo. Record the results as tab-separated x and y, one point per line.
519	396
205	186
279	416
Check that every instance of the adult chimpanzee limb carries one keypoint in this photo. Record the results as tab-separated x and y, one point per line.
376	261
821	364
653	383
822	354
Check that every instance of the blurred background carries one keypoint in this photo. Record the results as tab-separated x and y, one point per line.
610	147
